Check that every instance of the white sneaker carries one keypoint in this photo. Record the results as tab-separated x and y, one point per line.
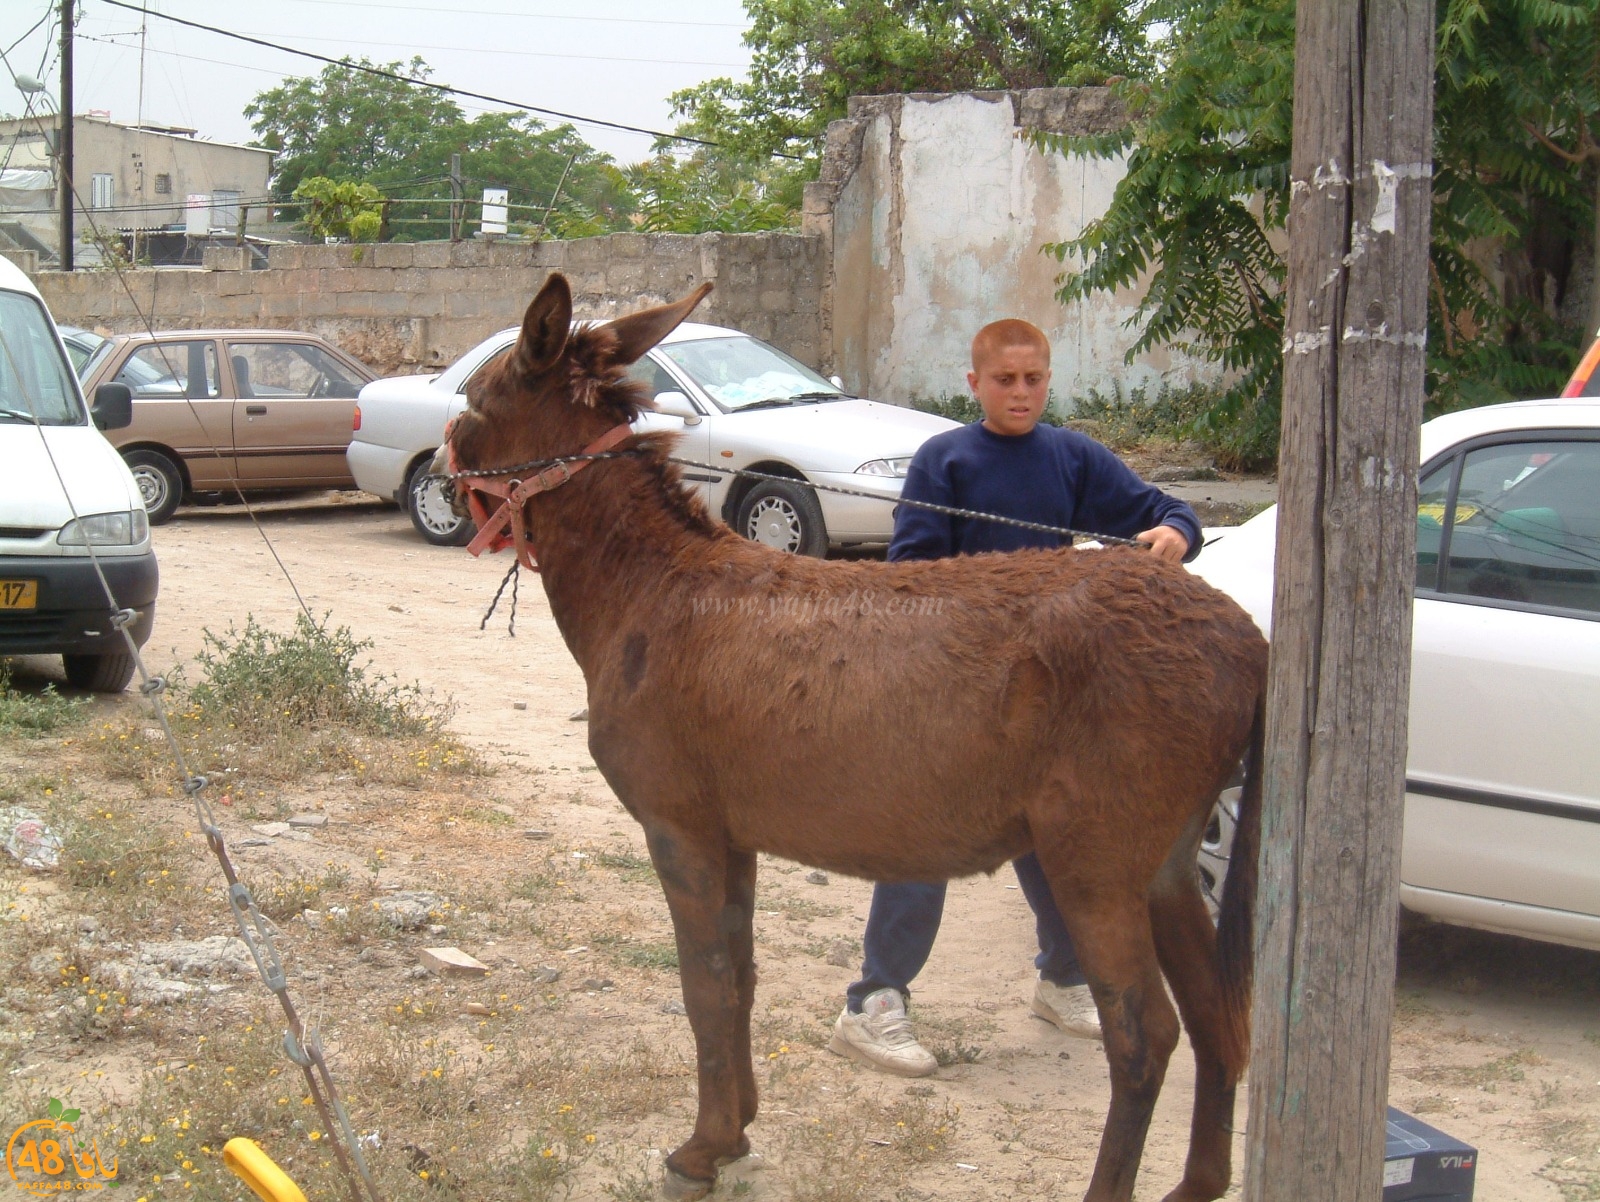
880	1036
1070	1007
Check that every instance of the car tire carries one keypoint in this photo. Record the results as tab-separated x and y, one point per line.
108	673
1216	847
784	515
160	483
430	510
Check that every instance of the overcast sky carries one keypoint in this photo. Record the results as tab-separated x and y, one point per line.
616	60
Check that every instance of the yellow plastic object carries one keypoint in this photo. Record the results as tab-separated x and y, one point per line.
256	1169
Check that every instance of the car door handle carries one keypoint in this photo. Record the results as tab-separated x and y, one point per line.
255	410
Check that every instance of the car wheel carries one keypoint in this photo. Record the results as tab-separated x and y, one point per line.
1216	846
786	516
428	499
160	483
109	673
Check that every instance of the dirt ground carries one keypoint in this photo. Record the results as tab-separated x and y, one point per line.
1496	1041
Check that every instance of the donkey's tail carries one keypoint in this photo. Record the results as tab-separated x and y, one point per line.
1236	926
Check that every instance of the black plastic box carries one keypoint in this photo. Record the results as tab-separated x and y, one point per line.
1423	1164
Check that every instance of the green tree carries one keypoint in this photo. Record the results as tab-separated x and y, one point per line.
695	194
341	210
1202	208
349	125
811	56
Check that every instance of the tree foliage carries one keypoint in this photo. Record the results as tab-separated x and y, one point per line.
699	194
1204	203
349	125
811	56
341	210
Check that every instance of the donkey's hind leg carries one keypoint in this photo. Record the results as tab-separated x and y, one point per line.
740	910
694	867
1186	943
1110	927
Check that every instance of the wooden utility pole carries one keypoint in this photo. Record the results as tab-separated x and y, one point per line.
1341	656
64	138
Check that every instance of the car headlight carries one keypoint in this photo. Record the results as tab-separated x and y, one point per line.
106	529
896	467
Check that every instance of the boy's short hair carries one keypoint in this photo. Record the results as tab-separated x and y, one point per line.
1008	332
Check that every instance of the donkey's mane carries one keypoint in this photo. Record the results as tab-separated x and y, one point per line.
664	483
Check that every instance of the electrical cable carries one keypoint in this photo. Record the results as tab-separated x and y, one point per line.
424	83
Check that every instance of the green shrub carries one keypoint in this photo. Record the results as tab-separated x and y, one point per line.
31	715
261	679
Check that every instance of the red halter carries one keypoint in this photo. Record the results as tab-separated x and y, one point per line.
513	498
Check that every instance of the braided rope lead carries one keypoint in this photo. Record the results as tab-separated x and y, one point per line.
1112	540
511	578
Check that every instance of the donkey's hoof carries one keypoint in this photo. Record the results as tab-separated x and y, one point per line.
675	1187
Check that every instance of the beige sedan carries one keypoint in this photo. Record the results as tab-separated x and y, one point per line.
225	411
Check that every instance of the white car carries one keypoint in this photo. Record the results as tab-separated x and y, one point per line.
1502	811
72	524
735	401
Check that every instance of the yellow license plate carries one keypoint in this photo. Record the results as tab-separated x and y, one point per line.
19	594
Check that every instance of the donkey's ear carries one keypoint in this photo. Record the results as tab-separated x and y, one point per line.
638	332
545	327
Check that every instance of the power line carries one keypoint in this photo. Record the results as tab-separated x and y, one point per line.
48	13
110	39
593	58
480	12
424	83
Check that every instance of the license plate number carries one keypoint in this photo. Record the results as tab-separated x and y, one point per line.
19	594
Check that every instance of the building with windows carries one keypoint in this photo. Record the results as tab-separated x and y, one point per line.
151	188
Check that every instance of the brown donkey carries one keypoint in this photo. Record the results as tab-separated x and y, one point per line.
892	721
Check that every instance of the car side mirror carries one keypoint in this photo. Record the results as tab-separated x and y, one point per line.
676	404
113	407
836	382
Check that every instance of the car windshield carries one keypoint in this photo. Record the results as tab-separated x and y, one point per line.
89	366
745	373
81	346
35	385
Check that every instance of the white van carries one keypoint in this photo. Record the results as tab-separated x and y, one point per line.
62	489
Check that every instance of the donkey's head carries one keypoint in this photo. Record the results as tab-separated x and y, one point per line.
558	389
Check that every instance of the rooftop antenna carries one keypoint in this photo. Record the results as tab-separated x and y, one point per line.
138	124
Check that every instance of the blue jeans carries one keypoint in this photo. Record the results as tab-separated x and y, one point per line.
904	920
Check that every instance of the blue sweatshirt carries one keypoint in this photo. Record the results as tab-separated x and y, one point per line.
1050	475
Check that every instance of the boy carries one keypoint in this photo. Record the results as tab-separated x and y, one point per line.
1011	465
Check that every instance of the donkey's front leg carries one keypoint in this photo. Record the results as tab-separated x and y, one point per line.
694	871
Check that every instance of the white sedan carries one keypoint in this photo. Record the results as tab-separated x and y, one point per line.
736	403
1502	810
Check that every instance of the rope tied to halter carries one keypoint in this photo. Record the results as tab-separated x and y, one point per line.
1112	540
506	527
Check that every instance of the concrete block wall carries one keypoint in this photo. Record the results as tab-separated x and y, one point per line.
403	307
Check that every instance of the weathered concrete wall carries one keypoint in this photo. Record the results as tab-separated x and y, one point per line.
935	208
404	307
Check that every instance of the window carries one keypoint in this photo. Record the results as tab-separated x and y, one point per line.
1525	527
163	184
655	380
268	370
102	191
224	208
34	384
170	370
